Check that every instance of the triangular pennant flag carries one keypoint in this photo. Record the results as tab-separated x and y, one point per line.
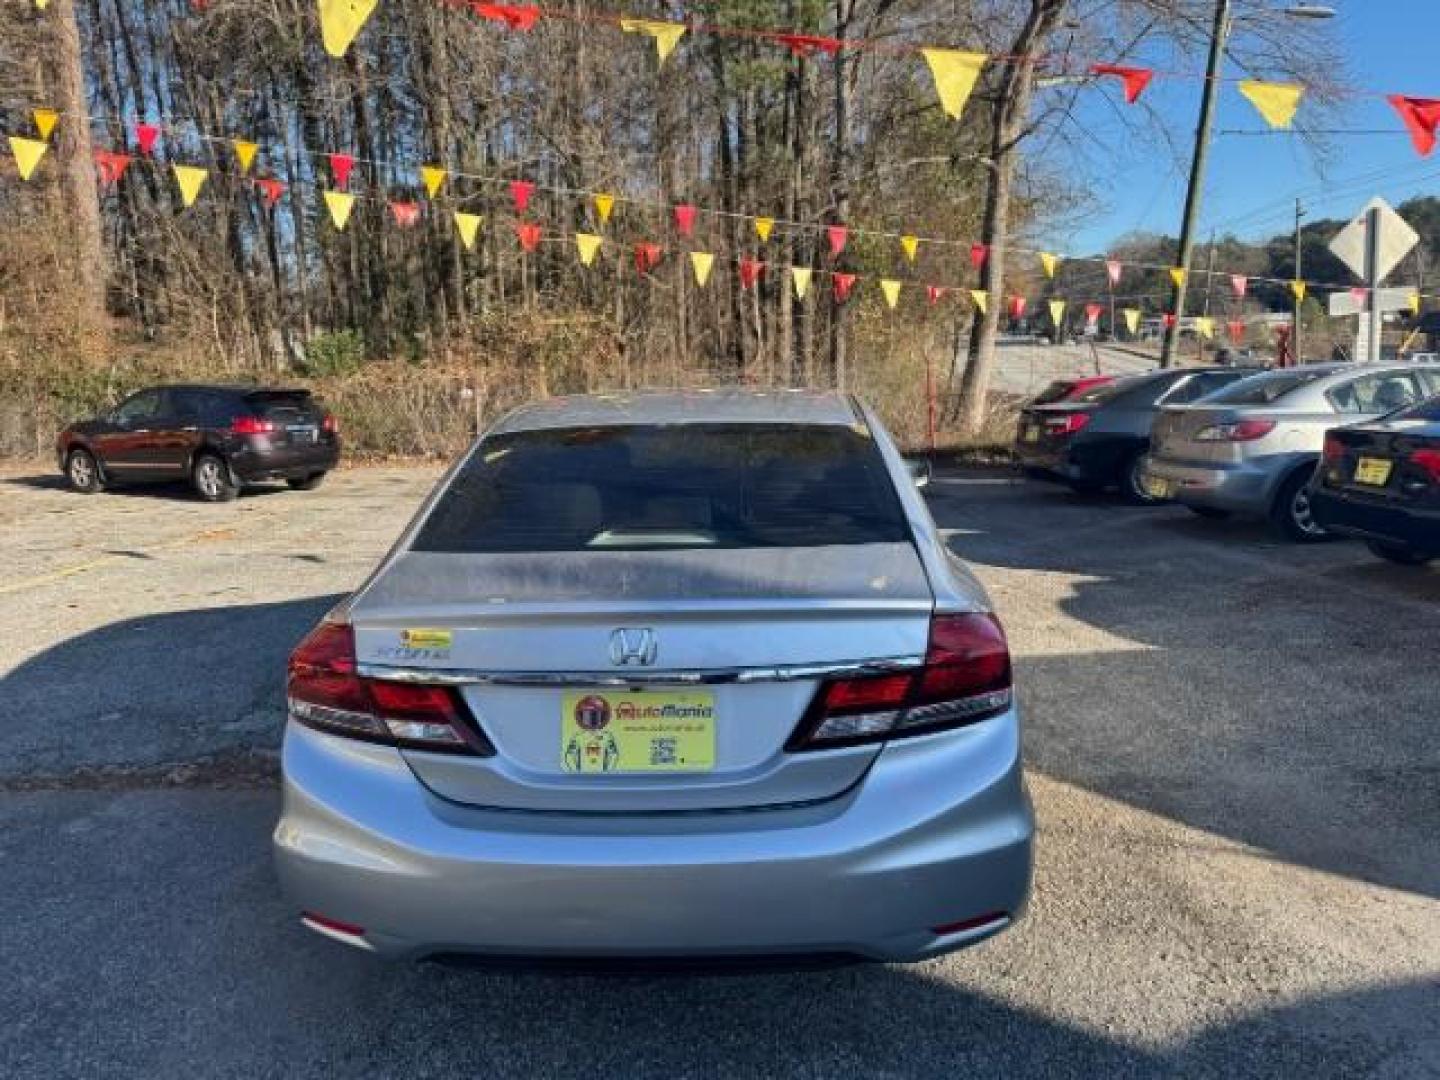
272	189
1113	269
1178	275
955	73
980	299
665	34
935	292
800	278
1132	319
763	225
1276	102
468	225
587	244
145	136
603	205
978	254
891	288
340	167
520	192
191	179
341	20
809	44
528	233
42	4
1057	312
1237	330
1049	262
1238	285
1205	326
1421	115
245	152
1360	293
432	176
685	219
702	262
340	204
840	285
1297	287
406	214
1092	313
751	271
514	16
28	153
837	235
910	245
1168	319
1135	78
45	121
111	166
1017	306
647	257
1413	302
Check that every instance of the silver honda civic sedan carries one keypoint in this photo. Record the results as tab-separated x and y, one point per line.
661	676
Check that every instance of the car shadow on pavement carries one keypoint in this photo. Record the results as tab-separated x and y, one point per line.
177	489
1265	692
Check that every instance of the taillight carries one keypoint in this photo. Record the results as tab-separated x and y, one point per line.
1334	450
965	678
1240	431
1068	424
1428	461
326	691
330	424
251	425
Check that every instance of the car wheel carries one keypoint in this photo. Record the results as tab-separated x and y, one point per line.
306	483
212	480
1398	553
83	472
1293	514
1213	513
1132	481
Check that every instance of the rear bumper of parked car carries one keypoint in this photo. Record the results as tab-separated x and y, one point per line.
929	853
1243	488
260	462
1355	516
1066	459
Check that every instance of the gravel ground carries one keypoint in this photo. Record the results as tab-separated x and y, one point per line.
1233	749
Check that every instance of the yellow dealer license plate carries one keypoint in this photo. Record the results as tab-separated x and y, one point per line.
1372	471
644	731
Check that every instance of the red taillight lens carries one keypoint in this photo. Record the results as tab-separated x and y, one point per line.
1068	424
330	424
1334	449
966	677
325	691
1240	431
1429	462
250	425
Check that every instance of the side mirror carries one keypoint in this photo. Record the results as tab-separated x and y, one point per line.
919	471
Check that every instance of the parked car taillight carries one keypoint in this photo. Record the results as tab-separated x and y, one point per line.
1334	450
965	678
251	425
1240	431
1429	462
325	691
1068	424
330	424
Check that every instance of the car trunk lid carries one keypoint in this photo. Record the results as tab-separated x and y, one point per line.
1395	461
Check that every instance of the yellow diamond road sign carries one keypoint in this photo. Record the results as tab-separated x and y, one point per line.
1396	238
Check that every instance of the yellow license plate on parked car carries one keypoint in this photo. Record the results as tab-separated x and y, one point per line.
646	731
1372	471
1157	488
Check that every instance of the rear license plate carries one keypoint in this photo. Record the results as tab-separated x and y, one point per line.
1158	488
644	731
1374	472
1031	435
302	433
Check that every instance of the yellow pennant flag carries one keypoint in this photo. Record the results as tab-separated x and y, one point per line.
468	226
1057	312
432	176
1132	319
665	34
42	4
702	262
955	73
603	205
1205	326
1414	303
1298	288
891	288
340	204
341	20
763	225
244	153
1177	275
910	245
1049	262
979	297
800	278
588	244
1276	102
45	121
191	179
28	153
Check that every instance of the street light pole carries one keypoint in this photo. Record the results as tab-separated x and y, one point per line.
1299	276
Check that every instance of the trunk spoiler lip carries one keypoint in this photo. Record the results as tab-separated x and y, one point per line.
688	677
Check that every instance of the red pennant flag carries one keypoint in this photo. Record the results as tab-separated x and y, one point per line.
837	235
1360	293
1421	115
751	271
111	166
514	16
647	257
978	254
1113	270
685	219
1135	78
520	191
1017	306
145	135
935	292
809	44
406	213
340	166
1169	319
1092	313
1237	330
529	235
841	284
1238	284
271	188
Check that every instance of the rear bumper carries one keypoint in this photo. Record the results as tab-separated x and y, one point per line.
273	463
1418	530
1068	459
1242	489
938	834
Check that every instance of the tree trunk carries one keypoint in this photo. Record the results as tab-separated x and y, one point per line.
76	157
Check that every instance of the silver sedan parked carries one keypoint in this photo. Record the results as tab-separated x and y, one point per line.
1252	447
655	677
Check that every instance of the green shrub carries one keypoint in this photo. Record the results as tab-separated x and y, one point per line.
339	352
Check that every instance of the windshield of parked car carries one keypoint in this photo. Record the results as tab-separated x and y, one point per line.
667	486
1106	391
1263	389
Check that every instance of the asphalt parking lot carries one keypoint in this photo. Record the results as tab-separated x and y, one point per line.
1234	749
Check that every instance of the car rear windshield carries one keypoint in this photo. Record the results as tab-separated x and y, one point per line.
1056	391
1263	389
1106	391
281	405
667	486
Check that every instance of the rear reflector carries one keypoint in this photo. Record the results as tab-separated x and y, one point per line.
969	924
322	922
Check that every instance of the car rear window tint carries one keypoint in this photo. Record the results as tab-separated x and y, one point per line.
1263	389
282	405
667	486
1056	391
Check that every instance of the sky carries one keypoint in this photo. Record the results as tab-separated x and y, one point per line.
1253	179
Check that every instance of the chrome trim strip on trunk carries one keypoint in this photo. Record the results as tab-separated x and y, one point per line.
705	677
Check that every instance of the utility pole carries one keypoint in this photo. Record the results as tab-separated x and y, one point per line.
1196	185
1209	278
1299	276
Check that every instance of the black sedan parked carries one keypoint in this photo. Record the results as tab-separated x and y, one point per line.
1099	439
216	437
1381	482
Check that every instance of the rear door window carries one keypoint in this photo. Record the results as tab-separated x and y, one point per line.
1381	392
667	486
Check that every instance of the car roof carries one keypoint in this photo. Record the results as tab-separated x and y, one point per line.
720	406
225	388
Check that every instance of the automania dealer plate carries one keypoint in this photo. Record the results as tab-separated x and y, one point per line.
1372	471
637	731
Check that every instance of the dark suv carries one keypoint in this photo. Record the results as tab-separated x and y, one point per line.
217	437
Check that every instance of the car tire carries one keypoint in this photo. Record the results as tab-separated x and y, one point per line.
1291	512
1398	553
306	483
83	471
1211	513
1132	481
211	478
